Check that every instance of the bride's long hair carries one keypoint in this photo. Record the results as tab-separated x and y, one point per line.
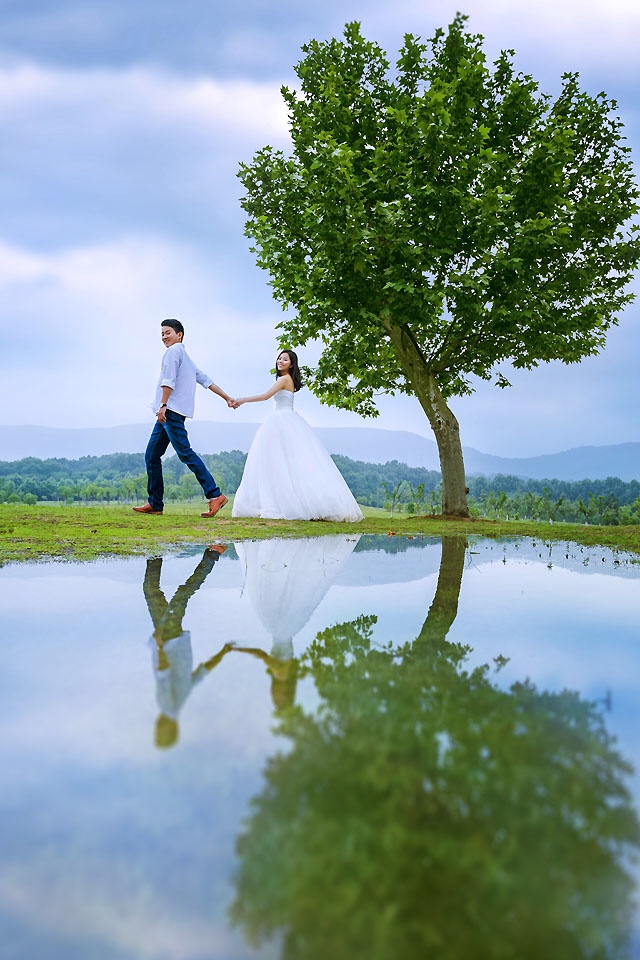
294	369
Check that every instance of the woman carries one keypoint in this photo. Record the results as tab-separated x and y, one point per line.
288	474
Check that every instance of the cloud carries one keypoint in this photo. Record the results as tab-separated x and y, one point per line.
121	209
91	153
115	913
120	206
605	28
191	36
577	32
118	97
84	338
556	406
256	39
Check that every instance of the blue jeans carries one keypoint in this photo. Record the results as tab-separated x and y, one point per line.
167	617
173	432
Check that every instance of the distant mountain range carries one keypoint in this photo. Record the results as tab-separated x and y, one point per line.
360	443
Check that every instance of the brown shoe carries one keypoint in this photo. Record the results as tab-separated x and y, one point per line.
218	548
214	505
146	509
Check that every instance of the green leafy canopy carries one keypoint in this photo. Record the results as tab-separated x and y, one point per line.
448	198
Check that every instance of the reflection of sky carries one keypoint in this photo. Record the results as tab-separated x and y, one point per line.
112	848
562	629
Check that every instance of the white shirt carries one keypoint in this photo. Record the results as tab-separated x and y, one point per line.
176	680
179	372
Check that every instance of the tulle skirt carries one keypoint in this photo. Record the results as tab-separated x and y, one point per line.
290	476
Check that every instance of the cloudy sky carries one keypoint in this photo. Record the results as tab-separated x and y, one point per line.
123	125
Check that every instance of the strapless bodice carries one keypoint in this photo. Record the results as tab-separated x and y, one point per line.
284	400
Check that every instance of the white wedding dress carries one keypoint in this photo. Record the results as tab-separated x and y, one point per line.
286	579
289	475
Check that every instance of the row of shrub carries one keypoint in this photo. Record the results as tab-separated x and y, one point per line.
121	478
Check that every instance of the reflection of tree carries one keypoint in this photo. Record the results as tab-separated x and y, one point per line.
424	812
444	608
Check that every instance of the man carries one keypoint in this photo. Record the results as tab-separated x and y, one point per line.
174	402
171	644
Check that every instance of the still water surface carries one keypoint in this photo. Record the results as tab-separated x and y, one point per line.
346	747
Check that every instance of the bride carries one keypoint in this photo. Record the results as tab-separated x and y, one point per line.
288	474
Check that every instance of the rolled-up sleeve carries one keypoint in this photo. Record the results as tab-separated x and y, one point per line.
170	366
203	379
179	372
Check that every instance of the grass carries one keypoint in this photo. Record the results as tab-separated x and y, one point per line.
85	533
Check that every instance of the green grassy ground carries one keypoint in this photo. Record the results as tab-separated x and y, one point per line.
84	533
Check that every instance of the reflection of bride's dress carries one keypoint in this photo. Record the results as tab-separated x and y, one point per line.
286	580
289	475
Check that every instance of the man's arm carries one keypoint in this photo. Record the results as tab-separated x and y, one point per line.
221	393
208	384
208	665
162	412
168	373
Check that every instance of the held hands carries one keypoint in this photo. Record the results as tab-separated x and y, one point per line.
234	404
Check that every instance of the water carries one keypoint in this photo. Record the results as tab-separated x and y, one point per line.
348	747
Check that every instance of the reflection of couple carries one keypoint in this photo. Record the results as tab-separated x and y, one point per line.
288	474
285	581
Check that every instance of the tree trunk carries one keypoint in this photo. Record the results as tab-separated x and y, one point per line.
442	420
444	608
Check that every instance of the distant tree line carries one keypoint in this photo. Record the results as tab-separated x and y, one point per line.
121	478
401	488
115	477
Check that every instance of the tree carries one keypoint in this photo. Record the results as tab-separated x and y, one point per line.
418	497
423	810
437	220
394	496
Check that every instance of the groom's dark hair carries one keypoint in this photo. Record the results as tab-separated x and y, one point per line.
175	325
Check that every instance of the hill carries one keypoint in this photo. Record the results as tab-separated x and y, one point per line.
358	443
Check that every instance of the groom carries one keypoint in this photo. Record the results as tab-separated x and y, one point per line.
174	402
171	643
